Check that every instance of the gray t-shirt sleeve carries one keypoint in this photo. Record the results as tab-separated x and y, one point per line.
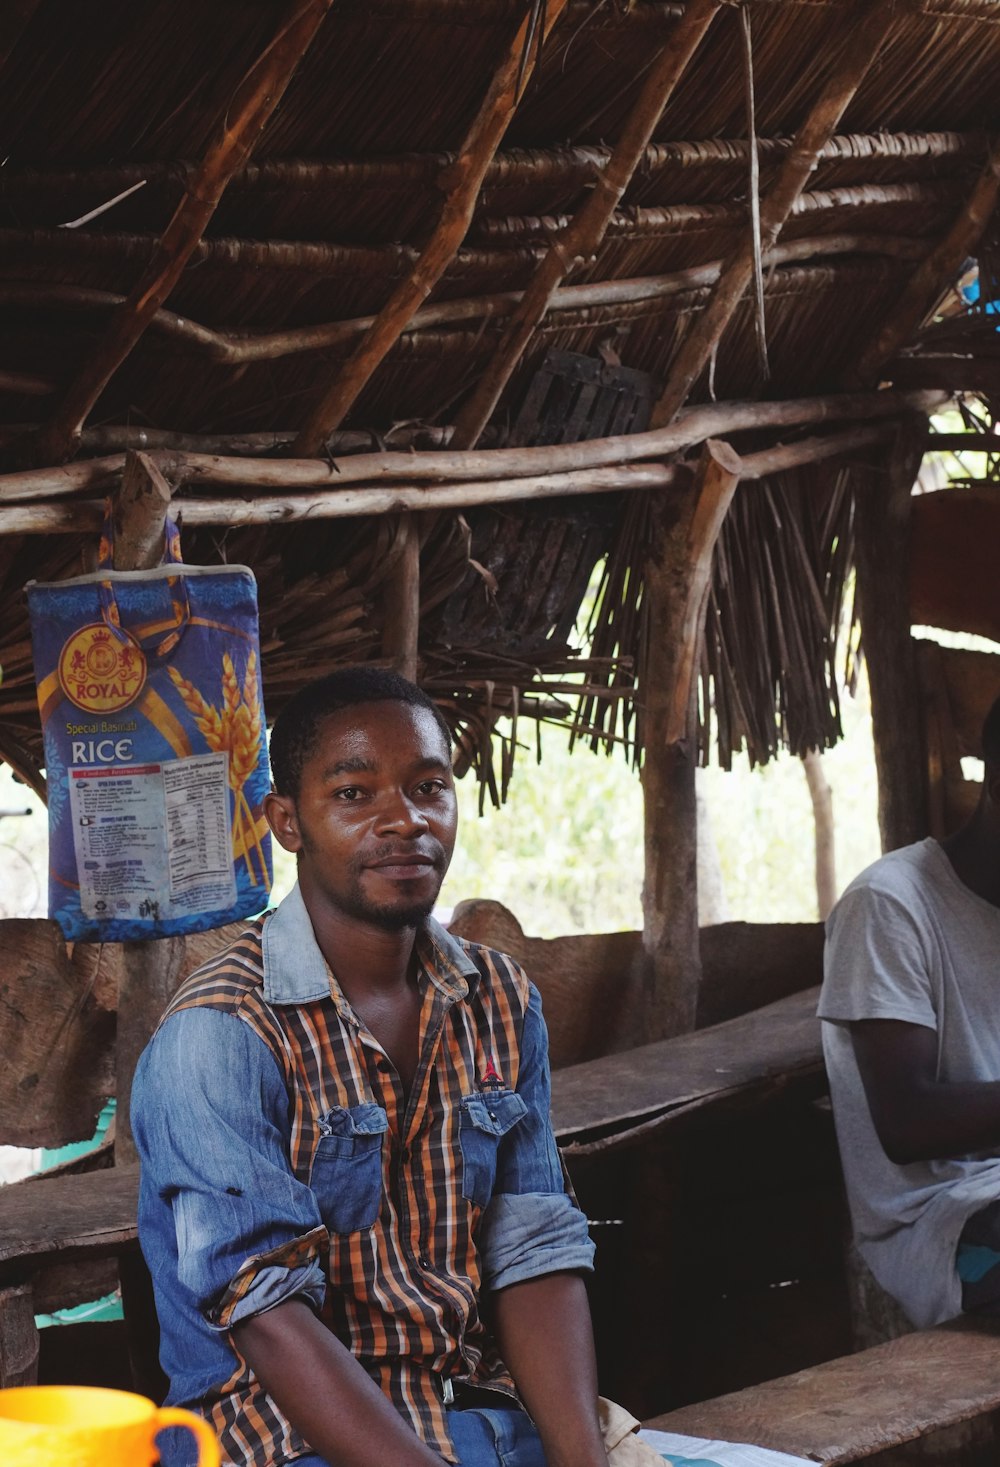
875	965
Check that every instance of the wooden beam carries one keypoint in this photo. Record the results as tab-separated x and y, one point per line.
692	426
240	126
151	969
236	348
883	579
461	183
585	232
937	271
139	514
865	33
401	605
676	581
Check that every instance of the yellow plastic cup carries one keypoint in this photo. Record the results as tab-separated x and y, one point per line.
84	1426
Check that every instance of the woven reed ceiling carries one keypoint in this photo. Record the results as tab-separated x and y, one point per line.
342	192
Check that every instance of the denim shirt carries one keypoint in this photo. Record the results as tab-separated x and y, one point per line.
271	1133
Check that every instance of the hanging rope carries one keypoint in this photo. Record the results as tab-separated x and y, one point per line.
758	256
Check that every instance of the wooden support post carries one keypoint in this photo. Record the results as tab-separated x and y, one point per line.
241	125
883	571
401	627
151	969
460	182
18	1337
677	579
933	274
582	237
865	31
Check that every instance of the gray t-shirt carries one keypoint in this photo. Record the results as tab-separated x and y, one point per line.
908	940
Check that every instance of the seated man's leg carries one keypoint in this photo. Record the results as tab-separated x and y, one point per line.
489	1437
978	1261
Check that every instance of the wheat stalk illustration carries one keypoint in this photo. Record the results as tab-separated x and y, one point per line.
234	729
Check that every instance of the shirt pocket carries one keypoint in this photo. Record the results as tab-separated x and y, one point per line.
484	1121
346	1174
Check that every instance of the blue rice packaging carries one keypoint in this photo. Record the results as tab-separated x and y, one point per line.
155	747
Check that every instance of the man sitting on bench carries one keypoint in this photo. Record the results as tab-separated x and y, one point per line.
351	1203
911	1004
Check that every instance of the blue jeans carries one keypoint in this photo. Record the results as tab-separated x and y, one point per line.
485	1438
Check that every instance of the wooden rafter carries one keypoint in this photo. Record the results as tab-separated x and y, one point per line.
692	426
239	129
586	230
460	182
934	273
865	38
237	348
354	501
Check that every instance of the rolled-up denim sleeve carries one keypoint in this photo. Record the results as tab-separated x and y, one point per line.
532	1226
210	1114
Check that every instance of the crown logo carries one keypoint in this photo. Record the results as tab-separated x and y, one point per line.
100	634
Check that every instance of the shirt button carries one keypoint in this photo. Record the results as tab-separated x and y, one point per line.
424	1261
404	1155
384	1066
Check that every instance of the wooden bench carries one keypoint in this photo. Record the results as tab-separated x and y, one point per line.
861	1405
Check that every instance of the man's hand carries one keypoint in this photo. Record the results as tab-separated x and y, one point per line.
916	1116
545	1338
325	1393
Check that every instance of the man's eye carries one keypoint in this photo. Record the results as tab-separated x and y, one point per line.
430	787
349	794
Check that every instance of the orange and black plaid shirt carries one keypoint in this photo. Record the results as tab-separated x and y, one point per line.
280	1159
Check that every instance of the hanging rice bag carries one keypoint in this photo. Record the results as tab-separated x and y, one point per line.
155	747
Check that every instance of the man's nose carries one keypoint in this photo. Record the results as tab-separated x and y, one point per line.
400	814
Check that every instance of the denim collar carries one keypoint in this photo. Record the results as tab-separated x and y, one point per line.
295	971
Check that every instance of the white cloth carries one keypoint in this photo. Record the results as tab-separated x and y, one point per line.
908	940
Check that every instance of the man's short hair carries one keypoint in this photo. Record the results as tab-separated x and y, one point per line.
991	736
296	729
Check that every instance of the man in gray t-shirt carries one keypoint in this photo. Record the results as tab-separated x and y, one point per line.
911	1000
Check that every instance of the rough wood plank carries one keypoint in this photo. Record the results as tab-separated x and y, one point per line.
852	1408
401	627
952	560
140	509
587	980
56	1035
46	1219
18	1338
615	1094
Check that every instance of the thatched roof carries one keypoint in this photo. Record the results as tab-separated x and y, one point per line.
330	206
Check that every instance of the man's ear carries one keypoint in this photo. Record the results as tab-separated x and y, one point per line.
281	816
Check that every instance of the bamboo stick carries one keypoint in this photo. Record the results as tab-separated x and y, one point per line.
26	384
239	347
693	426
461	184
814	450
936	271
586	231
241	125
865	38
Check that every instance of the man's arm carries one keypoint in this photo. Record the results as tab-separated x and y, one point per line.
325	1393
918	1117
543	1330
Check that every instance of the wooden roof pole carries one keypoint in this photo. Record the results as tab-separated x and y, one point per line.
461	182
864	41
240	127
933	274
676	580
587	229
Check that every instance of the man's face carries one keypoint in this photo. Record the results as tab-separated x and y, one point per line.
375	819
